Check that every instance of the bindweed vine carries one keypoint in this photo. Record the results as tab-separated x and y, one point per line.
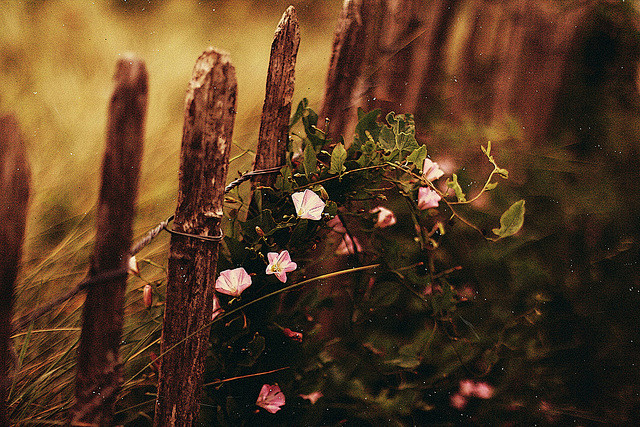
355	228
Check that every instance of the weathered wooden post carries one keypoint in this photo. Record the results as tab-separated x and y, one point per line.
99	371
274	124
351	56
386	54
14	188
209	115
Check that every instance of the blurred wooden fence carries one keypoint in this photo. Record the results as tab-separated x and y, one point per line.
481	60
487	59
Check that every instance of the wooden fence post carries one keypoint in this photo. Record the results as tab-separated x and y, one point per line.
14	188
209	115
274	124
99	372
355	40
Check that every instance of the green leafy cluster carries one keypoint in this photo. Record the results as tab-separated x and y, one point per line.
379	319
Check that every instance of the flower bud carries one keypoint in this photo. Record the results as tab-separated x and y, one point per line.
133	266
147	296
295	336
323	193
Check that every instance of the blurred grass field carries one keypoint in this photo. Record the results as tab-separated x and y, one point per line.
57	60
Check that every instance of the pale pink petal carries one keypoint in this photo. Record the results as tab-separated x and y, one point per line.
272	256
308	205
217	310
427	198
431	171
347	247
386	218
458	401
484	390
270	398
284	258
281	276
233	282
312	397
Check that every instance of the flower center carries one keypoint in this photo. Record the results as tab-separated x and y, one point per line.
276	268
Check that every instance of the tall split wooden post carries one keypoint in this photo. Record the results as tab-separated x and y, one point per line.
209	115
99	371
352	57
274	125
14	188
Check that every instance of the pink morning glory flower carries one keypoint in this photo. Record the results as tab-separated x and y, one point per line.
280	264
270	398
386	218
308	205
427	198
233	282
483	390
431	171
458	401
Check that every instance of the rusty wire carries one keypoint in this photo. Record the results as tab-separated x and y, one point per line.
120	273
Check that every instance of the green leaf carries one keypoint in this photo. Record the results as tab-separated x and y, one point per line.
490	186
338	156
284	181
406	141
404	362
455	185
392	156
400	135
417	156
310	161
368	153
385	293
302	106
387	139
310	121
331	208
367	122
392	120
511	220
502	172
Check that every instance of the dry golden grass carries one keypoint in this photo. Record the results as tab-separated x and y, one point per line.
57	59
